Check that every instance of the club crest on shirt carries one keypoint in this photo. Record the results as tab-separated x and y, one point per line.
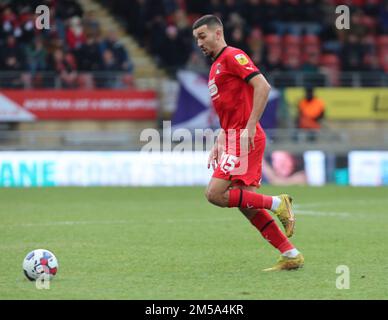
241	58
218	68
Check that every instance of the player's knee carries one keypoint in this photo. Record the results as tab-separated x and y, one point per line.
211	196
215	198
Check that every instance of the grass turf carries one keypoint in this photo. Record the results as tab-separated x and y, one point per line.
169	243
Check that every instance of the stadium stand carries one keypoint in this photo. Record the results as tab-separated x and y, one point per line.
60	56
141	44
300	37
293	35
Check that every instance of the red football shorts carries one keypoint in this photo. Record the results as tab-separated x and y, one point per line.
244	170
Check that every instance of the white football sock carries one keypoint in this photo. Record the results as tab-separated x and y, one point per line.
276	201
291	253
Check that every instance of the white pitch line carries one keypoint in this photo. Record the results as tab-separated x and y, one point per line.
111	222
299	210
65	223
340	203
322	213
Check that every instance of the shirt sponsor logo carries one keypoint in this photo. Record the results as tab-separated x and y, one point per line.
218	69
213	90
242	59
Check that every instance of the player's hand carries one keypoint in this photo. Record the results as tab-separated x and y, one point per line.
213	157
249	137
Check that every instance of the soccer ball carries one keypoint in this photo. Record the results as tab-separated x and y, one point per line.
40	262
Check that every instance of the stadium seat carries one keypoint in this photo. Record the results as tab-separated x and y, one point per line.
273	40
382	41
330	60
383	59
371	42
311	39
291	40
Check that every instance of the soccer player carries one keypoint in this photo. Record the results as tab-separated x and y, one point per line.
239	93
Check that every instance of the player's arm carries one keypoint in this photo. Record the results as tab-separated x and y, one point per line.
261	89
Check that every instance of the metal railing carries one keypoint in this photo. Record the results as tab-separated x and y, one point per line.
73	80
119	80
295	140
281	79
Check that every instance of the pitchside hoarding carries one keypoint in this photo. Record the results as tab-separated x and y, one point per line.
346	103
31	105
368	168
101	168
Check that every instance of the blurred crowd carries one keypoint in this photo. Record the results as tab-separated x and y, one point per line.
288	35
279	35
72	53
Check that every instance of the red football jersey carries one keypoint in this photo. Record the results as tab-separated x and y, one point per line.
230	92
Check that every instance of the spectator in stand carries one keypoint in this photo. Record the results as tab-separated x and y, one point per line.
64	64
383	16
13	59
111	66
67	9
90	23
274	61
158	35
122	62
75	35
374	72
171	49
255	40
198	7
272	9
197	62
10	24
27	25
89	55
235	21
36	55
231	7
237	39
57	27
311	64
352	54
137	19
112	43
311	68
184	32
216	7
254	13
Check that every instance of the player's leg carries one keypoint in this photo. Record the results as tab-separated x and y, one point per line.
265	224
290	257
217	192
247	198
279	205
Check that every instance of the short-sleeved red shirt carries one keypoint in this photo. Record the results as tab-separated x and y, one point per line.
230	92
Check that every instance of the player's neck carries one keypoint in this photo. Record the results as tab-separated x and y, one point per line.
219	50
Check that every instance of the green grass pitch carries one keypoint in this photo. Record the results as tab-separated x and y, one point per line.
169	243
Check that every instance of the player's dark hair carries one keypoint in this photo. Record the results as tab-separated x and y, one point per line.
209	20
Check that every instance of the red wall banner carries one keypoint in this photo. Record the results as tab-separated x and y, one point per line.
30	105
